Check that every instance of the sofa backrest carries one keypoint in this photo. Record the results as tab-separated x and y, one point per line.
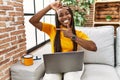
118	47
103	36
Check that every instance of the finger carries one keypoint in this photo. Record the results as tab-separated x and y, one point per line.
61	29
60	4
59	1
68	26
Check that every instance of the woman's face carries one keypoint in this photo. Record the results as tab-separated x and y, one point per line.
64	16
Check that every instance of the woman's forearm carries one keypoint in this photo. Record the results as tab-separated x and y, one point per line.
35	20
87	44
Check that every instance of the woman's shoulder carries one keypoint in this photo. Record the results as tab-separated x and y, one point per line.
47	27
47	24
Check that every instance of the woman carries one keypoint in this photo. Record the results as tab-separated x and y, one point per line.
61	35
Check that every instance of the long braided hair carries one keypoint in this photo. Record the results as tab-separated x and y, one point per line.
57	42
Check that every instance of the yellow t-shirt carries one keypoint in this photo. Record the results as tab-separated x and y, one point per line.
66	43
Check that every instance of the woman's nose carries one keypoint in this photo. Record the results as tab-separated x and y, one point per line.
65	17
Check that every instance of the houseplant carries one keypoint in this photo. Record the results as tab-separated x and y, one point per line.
108	18
80	9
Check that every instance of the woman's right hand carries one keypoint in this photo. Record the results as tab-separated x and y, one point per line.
56	5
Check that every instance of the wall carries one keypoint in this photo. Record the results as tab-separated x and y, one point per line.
12	35
89	22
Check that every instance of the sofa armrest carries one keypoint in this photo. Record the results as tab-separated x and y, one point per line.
33	72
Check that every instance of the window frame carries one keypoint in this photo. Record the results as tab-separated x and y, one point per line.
36	35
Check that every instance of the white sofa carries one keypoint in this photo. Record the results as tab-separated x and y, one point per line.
104	64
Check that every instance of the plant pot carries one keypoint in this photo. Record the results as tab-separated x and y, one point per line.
108	19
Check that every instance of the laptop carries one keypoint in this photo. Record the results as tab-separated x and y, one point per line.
61	62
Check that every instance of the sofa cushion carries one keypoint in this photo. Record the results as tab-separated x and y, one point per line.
99	72
50	76
118	70
103	36
118	47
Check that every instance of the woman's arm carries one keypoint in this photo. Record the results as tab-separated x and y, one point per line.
35	20
87	44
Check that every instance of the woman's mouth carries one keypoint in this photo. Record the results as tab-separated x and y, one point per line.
66	21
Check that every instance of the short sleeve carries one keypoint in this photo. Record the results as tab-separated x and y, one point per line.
47	28
82	35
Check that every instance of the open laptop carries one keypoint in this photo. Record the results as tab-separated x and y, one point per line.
60	62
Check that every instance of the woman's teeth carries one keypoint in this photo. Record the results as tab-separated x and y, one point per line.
66	21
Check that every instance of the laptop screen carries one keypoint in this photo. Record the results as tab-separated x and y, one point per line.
61	62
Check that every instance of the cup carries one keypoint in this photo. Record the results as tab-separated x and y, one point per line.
27	60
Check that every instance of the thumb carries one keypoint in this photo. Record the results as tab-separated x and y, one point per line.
68	26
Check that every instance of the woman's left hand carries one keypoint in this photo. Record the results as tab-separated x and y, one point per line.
67	32
56	5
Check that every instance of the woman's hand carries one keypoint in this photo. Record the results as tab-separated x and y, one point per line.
67	32
56	5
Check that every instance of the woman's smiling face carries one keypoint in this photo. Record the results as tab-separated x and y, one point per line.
64	16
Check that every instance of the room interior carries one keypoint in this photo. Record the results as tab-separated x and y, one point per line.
18	37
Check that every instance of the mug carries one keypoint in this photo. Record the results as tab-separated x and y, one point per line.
27	60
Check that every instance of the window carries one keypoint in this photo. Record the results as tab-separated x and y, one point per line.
34	37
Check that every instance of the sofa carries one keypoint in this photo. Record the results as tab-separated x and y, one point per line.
104	64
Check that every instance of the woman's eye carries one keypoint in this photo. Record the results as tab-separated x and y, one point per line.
61	15
67	13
